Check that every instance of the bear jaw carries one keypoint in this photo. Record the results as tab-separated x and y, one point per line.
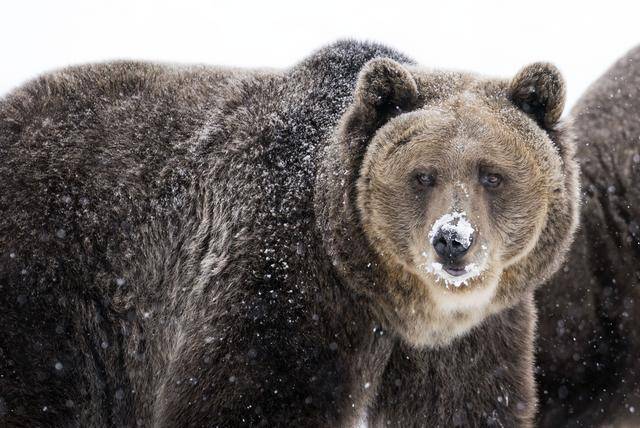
440	314
474	298
444	328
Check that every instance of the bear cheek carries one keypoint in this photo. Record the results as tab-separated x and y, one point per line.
408	227
509	226
390	222
525	231
405	220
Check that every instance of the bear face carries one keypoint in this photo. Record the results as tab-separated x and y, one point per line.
466	192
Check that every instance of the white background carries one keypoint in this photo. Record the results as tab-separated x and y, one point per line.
489	37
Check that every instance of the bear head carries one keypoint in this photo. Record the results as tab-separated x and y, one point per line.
460	194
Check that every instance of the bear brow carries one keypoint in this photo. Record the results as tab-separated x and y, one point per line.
398	145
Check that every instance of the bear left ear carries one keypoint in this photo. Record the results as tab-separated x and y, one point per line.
384	89
539	90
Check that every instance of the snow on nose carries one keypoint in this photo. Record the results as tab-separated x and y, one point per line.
453	224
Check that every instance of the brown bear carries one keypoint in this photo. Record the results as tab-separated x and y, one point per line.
354	239
588	353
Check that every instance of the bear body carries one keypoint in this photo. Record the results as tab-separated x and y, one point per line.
111	224
194	246
589	340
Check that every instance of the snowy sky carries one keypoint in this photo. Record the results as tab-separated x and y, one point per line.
490	37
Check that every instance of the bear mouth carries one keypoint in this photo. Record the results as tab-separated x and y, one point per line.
453	274
455	270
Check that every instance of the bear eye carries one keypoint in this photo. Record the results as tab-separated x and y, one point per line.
491	180
425	179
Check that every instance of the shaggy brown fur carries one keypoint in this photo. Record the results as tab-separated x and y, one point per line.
589	344
192	246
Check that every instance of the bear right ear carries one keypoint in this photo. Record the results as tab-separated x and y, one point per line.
384	89
539	90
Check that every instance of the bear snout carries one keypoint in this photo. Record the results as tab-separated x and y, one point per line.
450	245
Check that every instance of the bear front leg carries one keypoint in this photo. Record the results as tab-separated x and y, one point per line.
482	379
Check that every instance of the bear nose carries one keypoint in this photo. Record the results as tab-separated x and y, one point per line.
450	246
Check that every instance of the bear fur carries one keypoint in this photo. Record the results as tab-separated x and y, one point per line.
588	351
197	246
